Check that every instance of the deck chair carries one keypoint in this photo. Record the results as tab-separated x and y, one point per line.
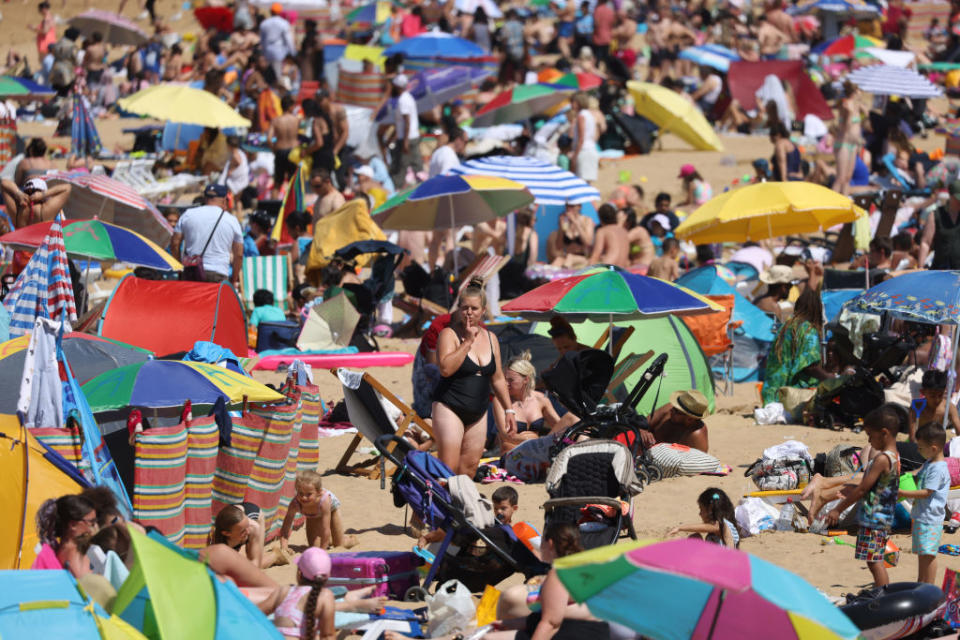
272	273
367	413
617	389
601	342
714	333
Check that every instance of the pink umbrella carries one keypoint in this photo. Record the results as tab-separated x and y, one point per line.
103	198
114	28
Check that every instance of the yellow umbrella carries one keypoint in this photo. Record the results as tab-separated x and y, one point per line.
672	112
767	210
180	103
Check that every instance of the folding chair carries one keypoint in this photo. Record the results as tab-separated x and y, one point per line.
367	413
273	273
713	332
616	388
601	342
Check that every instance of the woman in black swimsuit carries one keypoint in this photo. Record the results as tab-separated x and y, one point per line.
470	366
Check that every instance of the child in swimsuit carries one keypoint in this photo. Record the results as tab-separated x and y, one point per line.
308	608
321	509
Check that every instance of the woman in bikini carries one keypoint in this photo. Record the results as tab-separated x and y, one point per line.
468	357
849	137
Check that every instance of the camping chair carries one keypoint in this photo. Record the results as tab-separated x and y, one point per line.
621	340
617	389
714	333
367	413
272	273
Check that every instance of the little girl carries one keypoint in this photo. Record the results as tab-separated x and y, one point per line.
716	512
321	509
308	609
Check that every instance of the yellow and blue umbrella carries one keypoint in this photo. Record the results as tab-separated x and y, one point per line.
685	589
169	383
447	202
368	15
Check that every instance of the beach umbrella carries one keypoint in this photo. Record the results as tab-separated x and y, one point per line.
158	384
96	240
604	291
710	55
549	184
521	102
767	210
857	7
52	603
922	296
887	80
684	589
436	44
329	325
84	139
368	15
43	289
14	87
114	28
103	198
848	46
578	81
434	87
448	202
470	6
673	112
180	103
219	18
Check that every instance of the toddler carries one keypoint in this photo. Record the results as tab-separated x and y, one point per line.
321	509
930	408
264	309
930	500
717	520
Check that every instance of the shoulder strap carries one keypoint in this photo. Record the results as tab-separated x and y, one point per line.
212	231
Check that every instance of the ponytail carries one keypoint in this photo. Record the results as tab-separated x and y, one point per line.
47	522
310	608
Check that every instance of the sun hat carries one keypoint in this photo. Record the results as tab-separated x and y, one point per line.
364	170
314	564
687	170
777	274
662	220
34	184
693	403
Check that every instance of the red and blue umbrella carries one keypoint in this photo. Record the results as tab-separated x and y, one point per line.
521	103
686	589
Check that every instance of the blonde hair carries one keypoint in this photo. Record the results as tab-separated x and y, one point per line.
474	290
310	478
522	365
582	100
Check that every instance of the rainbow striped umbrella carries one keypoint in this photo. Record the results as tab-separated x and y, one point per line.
448	202
97	240
368	16
521	103
686	589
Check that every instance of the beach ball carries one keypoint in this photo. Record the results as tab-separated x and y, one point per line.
891	555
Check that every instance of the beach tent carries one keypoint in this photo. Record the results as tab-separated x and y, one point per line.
170	595
30	473
168	316
686	367
754	336
51	604
745	78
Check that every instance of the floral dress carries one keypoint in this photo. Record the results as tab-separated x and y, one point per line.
796	348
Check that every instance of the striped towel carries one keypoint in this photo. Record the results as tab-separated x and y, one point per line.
361	89
311	409
66	442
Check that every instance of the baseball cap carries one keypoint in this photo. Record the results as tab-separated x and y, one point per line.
662	220
687	170
34	184
400	81
364	170
954	189
276	8
314	564
215	191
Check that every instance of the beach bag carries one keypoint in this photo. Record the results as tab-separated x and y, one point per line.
755	515
953	466
842	460
681	460
780	474
450	609
193	264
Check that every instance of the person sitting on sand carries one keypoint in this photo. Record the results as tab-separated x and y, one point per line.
307	610
238	527
611	245
569	245
62	526
321	509
718	521
680	421
794	359
34	201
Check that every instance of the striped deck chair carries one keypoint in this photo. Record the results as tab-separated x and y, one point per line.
272	273
361	89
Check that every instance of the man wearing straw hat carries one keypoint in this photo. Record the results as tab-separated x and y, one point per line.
680	421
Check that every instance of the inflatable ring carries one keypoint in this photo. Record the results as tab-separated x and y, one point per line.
899	610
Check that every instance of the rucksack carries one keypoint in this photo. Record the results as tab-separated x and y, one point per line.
842	460
779	474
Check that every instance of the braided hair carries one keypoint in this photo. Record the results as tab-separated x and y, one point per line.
310	608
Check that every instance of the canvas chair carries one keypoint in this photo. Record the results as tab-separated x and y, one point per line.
626	367
368	415
714	333
617	346
273	273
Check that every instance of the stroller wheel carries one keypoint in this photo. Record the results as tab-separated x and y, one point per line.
415	594
642	474
654	471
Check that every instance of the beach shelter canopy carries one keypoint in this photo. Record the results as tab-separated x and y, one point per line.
706	281
350	223
167	316
30	473
169	595
745	78
548	183
672	112
114	28
767	210
181	103
710	55
52	604
888	80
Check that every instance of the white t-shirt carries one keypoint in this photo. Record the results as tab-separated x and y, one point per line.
407	106
443	160
196	225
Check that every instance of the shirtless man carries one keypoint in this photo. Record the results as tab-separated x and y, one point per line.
771	39
34	202
337	117
282	136
680	421
610	244
779	18
328	198
94	53
665	267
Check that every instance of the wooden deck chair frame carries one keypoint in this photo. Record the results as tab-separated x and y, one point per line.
618	345
371	422
624	369
248	299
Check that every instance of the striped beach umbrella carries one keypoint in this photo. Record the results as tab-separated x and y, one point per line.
84	138
114	28
43	289
710	55
549	184
887	80
96	196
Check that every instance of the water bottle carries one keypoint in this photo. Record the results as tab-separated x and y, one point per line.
785	521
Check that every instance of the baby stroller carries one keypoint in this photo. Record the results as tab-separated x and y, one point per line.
483	556
592	484
579	380
378	288
850	397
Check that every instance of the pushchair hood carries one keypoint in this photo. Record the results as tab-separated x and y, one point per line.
579	379
621	465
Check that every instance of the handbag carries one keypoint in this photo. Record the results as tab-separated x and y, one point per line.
193	264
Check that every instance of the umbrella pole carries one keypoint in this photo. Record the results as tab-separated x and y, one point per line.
610	340
951	376
716	614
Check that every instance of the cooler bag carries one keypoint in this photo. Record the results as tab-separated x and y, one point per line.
391	572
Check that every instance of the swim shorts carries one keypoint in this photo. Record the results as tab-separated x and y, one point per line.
871	544
926	538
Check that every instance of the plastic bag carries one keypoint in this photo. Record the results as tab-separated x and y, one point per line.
755	515
451	609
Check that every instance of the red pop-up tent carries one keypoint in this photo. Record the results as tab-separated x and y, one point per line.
166	316
745	78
